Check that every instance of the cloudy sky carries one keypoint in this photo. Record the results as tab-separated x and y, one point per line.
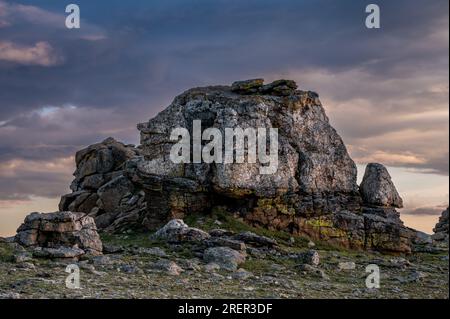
385	90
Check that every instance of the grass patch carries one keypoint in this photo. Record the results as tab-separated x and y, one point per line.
6	253
131	240
228	222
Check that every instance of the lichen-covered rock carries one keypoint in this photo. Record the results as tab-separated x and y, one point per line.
248	86
279	88
60	234
386	235
378	189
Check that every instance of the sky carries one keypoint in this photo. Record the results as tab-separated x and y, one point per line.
386	90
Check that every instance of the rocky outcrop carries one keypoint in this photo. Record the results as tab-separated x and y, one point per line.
441	229
60	235
309	188
100	188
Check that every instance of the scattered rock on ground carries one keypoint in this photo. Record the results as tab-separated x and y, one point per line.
169	267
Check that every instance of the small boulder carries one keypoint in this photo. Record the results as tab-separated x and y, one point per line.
313	271
169	267
377	188
227	258
177	231
256	240
310	257
242	274
346	265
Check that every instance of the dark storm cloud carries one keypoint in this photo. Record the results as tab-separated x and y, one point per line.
129	59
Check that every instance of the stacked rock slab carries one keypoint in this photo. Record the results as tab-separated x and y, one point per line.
101	189
384	228
312	192
60	234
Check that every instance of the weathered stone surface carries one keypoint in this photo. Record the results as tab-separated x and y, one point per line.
280	88
312	155
225	257
60	234
177	231
441	229
101	189
386	235
378	189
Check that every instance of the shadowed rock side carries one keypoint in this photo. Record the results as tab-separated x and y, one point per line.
100	188
312	193
441	229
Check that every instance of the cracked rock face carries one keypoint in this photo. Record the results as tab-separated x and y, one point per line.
60	235
100	188
378	189
312	156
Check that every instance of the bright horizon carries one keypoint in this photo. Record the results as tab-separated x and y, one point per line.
14	213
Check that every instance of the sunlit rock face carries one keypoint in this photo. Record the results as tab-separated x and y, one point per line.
309	188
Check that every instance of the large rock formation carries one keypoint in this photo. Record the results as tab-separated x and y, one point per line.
60	234
309	190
